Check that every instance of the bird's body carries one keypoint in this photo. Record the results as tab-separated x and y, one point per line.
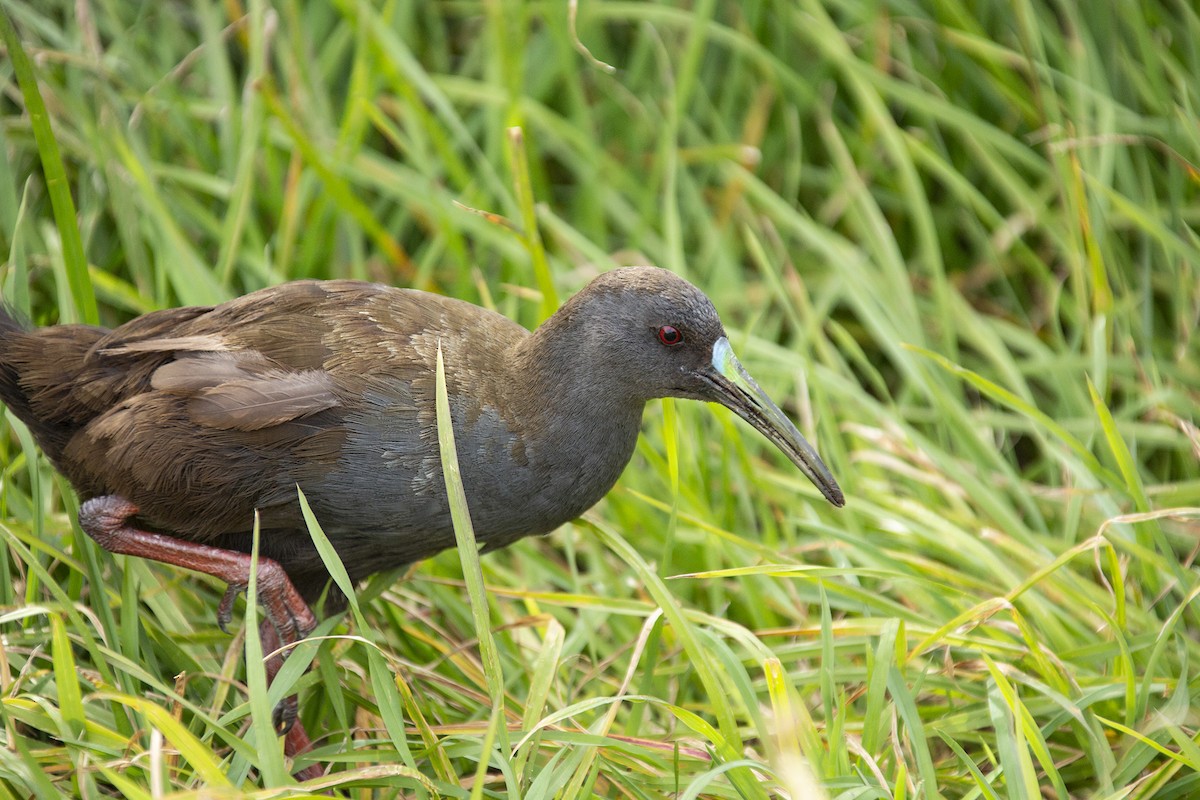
181	427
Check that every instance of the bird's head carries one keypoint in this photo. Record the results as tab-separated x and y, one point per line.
653	334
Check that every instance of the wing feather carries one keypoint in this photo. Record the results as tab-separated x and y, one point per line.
243	391
202	343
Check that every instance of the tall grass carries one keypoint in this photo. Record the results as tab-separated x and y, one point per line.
957	240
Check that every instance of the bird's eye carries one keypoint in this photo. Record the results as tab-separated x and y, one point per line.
670	336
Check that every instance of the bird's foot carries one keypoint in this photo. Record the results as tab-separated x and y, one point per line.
297	618
283	716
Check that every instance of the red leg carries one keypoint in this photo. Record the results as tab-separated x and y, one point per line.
104	518
288	617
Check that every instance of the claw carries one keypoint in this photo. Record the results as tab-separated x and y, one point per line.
283	716
225	607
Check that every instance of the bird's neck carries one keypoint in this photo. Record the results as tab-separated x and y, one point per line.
582	417
570	363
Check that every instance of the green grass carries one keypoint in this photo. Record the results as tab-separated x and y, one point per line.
958	241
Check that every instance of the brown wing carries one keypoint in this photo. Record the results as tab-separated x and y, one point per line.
204	415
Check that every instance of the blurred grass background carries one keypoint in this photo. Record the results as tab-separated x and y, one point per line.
957	240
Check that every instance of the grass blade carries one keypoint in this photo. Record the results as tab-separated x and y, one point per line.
468	552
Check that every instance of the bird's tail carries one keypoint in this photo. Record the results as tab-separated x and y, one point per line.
39	367
10	380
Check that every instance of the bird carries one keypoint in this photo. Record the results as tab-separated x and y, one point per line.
181	427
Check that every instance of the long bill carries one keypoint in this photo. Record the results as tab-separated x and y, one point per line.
734	388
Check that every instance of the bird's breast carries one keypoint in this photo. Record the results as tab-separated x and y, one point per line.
520	479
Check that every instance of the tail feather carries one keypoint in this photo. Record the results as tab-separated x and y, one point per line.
39	370
10	387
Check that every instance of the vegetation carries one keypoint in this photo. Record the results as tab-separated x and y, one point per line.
959	240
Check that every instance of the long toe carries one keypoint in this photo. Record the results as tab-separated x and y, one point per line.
283	716
225	607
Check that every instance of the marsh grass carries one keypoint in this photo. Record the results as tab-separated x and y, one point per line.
957	240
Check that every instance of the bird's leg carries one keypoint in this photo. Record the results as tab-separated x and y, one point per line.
104	519
288	617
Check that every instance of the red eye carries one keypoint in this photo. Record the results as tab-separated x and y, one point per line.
670	336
